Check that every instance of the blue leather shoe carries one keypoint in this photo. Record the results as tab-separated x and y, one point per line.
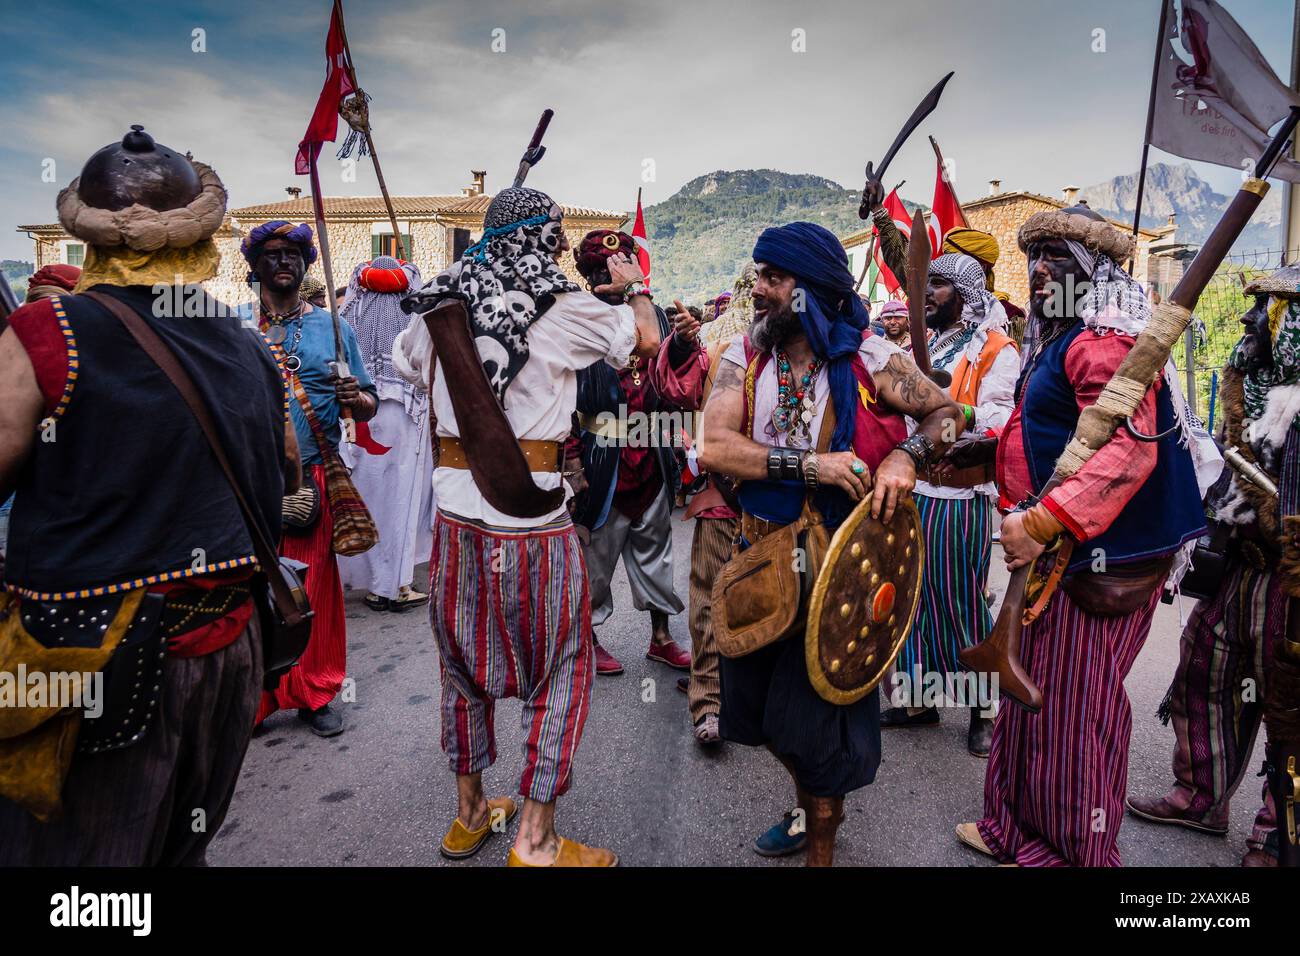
782	840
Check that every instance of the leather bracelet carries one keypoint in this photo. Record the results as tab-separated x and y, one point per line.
919	448
785	464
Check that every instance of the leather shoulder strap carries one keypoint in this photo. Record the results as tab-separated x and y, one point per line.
165	359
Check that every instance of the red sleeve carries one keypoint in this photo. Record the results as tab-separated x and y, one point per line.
682	387
1088	501
46	338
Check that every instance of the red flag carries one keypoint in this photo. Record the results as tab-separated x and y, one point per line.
642	240
945	213
897	212
324	125
367	442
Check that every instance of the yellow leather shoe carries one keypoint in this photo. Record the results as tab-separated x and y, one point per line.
461	841
572	854
969	834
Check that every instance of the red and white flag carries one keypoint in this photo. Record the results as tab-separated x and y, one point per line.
1220	107
642	240
945	213
903	222
324	125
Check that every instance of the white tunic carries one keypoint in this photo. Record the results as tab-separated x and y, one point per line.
573	333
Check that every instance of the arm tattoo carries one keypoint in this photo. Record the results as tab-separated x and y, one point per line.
914	394
730	378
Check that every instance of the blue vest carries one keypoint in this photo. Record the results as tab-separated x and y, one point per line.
1165	512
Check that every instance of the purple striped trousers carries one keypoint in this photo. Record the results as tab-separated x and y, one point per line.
1054	793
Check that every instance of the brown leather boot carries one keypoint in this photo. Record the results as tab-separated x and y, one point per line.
824	817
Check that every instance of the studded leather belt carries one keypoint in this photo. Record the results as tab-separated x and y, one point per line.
542	456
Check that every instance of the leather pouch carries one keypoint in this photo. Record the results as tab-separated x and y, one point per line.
1118	591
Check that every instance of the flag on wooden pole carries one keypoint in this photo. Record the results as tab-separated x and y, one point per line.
324	125
945	211
642	240
1220	107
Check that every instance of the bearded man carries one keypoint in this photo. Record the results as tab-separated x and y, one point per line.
1231	637
391	459
1054	790
810	354
896	324
970	343
278	253
508	589
128	521
628	472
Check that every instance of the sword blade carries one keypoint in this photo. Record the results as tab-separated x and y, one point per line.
924	109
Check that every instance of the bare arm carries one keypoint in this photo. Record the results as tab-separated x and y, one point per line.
725	449
21	410
623	271
903	388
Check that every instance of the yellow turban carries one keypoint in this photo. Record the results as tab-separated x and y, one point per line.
978	245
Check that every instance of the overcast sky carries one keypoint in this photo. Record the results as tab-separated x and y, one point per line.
692	87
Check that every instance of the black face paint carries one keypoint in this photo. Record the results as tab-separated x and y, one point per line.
1257	341
280	266
1056	281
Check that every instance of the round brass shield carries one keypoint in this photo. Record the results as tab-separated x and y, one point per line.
863	602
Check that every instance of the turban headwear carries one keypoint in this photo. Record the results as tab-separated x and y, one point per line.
722	299
739	315
311	286
894	307
376	317
833	317
52	280
506	280
597	246
980	246
253	243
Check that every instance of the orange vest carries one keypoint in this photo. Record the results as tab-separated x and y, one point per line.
966	377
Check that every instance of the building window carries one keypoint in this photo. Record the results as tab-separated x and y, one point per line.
459	243
74	253
384	244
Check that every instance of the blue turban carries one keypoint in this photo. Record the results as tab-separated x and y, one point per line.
301	234
833	317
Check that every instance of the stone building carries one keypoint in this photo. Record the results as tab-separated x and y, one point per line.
1002	213
435	231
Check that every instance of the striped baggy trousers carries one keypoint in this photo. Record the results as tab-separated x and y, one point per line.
1217	698
1054	793
710	550
952	613
512	618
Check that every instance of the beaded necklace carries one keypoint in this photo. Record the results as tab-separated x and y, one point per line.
277	330
795	406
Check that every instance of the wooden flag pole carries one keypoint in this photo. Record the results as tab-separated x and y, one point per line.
1151	116
370	140
318	206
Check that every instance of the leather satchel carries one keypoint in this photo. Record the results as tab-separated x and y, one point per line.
1118	591
761	594
283	606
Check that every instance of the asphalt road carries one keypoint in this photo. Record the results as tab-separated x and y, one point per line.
381	793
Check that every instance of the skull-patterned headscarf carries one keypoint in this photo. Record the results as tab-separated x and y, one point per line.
506	280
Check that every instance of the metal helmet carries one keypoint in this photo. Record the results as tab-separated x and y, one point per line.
138	170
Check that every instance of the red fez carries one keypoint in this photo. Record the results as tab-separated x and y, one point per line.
598	245
62	276
377	279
